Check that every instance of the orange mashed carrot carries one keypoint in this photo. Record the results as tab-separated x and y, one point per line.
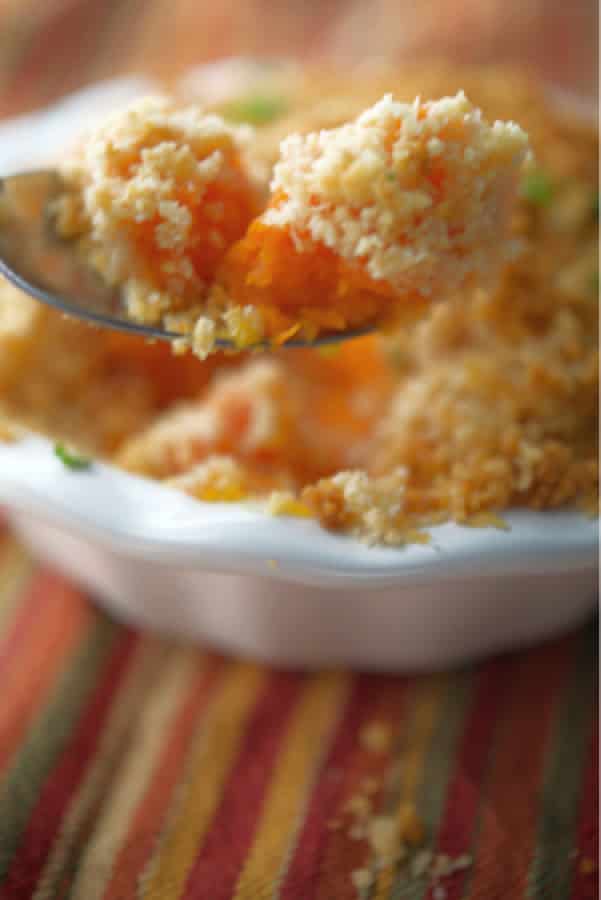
309	292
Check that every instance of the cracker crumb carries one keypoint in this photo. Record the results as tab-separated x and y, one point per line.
442	866
421	862
361	879
359	806
587	866
203	337
462	862
376	737
384	835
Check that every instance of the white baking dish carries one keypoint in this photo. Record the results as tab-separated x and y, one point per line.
286	591
283	590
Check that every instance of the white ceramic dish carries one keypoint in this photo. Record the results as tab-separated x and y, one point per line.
283	590
286	591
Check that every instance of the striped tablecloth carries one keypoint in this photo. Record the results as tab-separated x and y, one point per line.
135	768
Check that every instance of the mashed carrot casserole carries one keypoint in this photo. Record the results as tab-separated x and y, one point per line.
487	401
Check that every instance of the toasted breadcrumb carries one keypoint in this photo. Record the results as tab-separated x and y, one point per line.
376	737
417	191
384	835
156	196
358	805
397	840
421	863
407	202
587	866
361	879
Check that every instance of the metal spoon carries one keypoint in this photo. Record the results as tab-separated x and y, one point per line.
35	259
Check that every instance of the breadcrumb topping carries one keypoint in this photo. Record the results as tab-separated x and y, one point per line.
418	192
157	194
376	737
417	195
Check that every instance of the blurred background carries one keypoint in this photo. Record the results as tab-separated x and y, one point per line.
51	47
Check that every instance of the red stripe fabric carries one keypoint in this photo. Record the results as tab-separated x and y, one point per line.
513	790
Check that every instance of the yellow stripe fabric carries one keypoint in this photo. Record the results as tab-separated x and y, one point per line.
138	680
305	745
211	759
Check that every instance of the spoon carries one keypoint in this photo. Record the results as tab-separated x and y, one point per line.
47	267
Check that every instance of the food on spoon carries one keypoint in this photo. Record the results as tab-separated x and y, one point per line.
369	222
366	223
157	195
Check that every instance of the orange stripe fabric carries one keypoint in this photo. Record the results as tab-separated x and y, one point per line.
21	625
61	621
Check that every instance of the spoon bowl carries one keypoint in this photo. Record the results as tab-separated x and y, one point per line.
49	268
